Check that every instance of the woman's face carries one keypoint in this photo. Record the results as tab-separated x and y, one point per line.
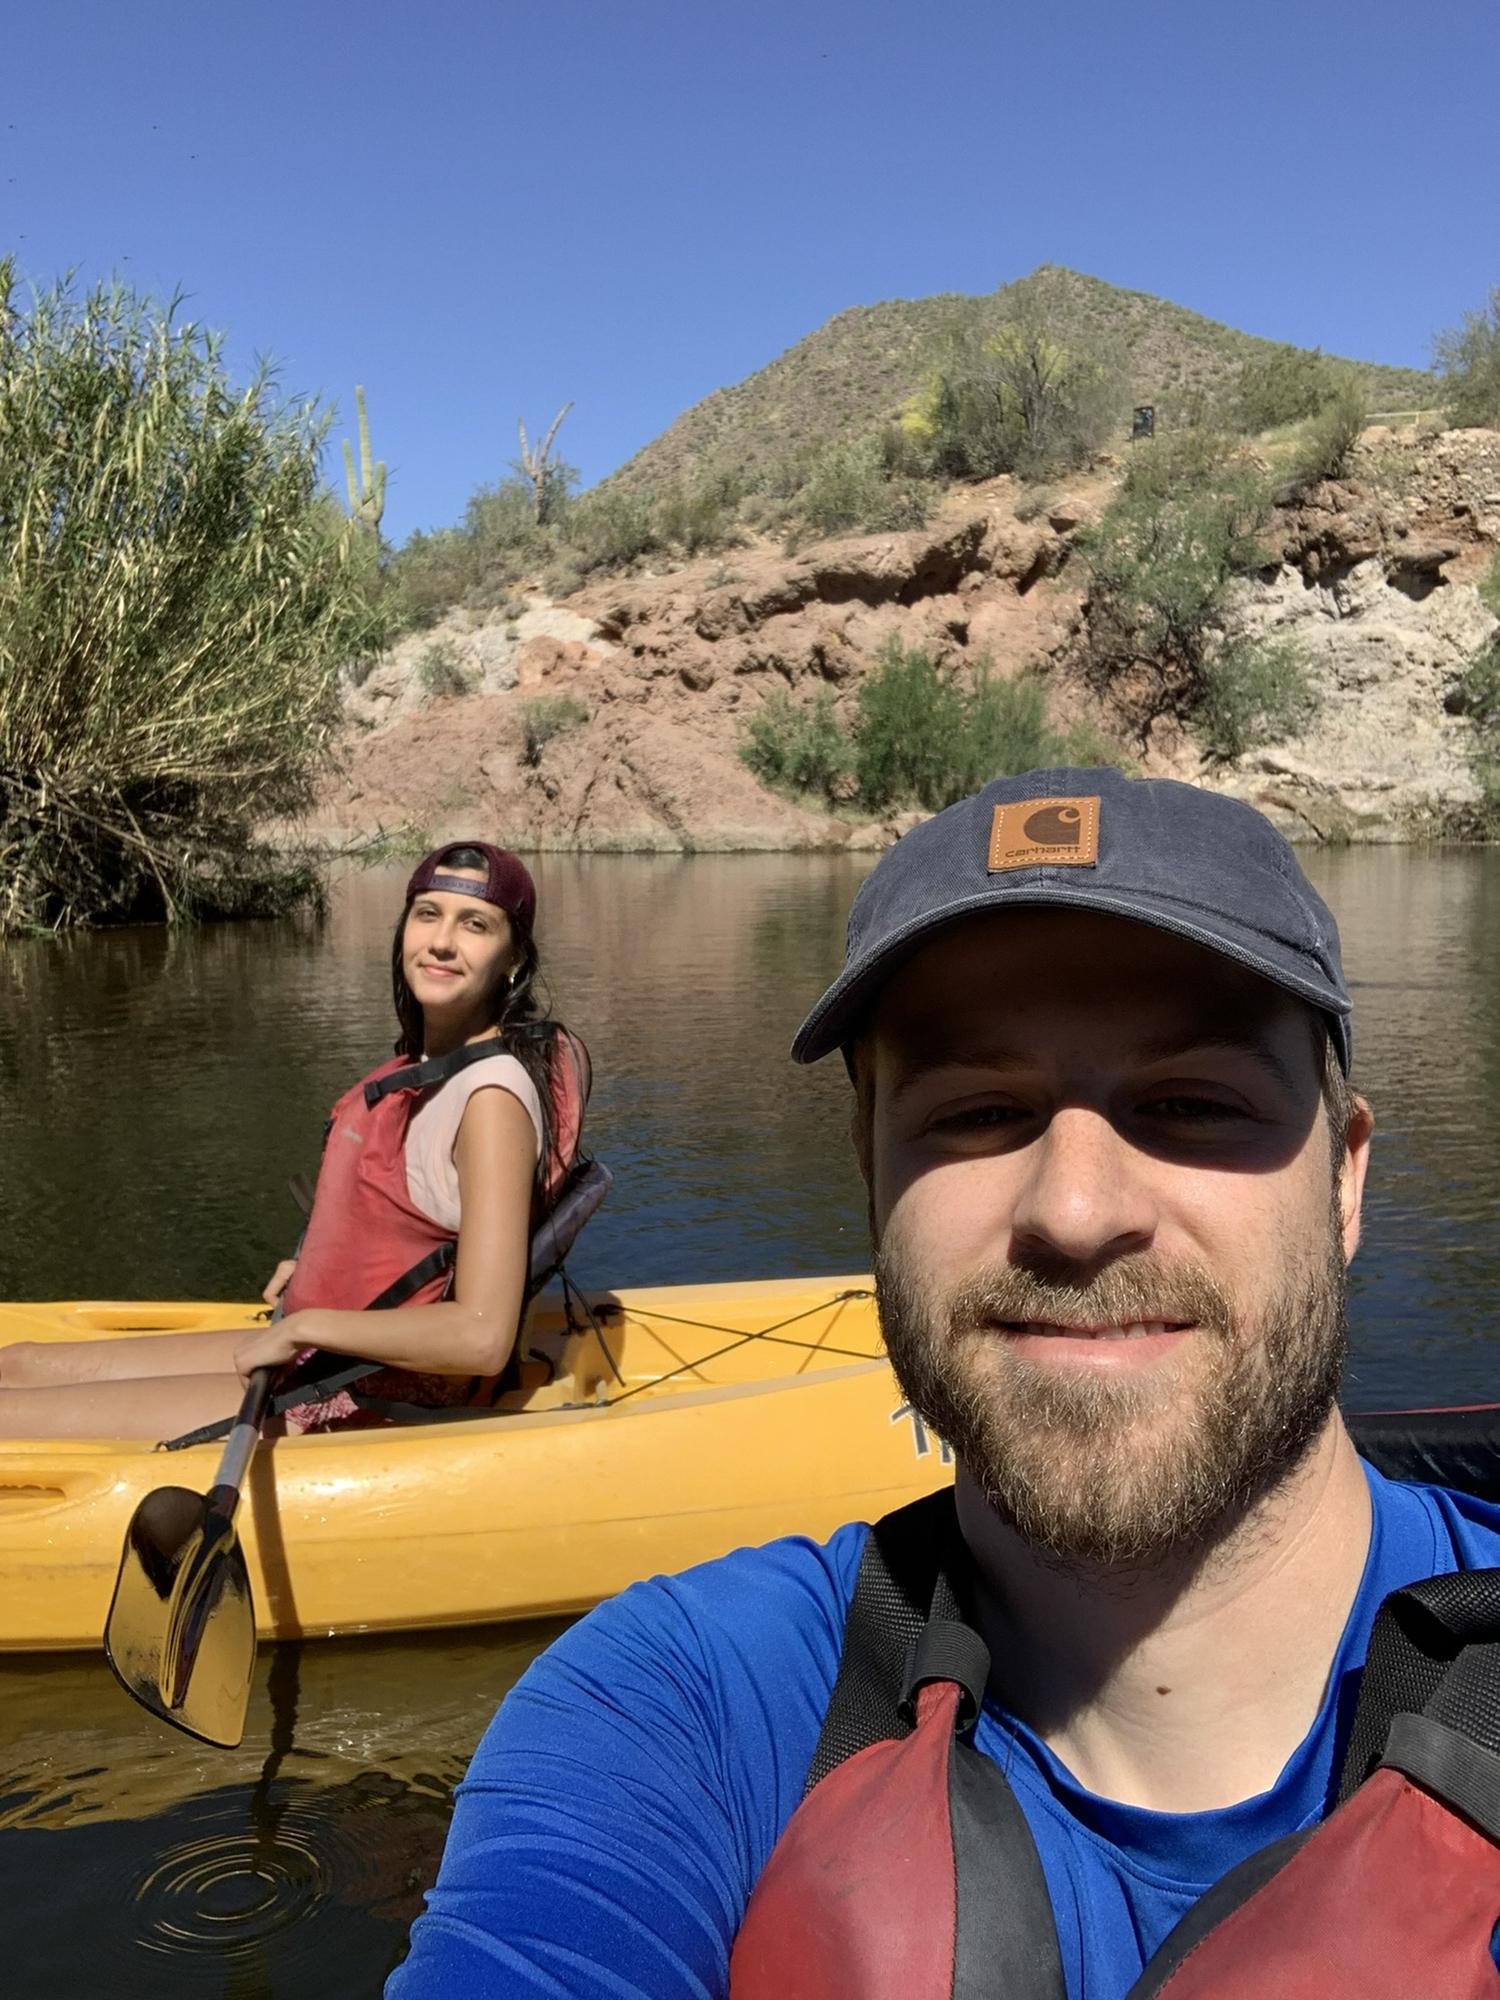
456	951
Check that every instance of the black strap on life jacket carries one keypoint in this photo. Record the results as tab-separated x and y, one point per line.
1429	1701
437	1069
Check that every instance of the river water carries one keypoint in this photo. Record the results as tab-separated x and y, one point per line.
156	1092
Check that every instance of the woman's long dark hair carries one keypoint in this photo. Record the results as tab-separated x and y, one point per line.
519	1011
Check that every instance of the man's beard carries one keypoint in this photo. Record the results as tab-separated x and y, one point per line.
1099	1471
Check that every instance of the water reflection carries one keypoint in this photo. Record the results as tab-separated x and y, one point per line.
156	1092
287	1867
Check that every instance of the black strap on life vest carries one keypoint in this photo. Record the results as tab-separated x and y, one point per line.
1429	1701
435	1069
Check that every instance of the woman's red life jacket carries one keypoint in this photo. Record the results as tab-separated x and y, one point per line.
909	1873
367	1245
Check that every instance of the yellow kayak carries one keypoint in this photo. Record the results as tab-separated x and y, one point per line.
691	1420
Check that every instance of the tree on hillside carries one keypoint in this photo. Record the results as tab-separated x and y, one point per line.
1281	385
1163	560
1468	360
1021	400
177	595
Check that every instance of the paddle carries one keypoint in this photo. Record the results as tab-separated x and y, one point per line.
181	1628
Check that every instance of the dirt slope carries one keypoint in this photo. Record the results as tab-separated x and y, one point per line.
1375	579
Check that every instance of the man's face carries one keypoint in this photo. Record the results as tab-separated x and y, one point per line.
1110	1236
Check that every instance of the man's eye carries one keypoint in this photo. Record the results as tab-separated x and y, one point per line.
1183	1108
978	1118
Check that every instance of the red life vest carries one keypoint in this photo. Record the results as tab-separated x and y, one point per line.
367	1245
909	1873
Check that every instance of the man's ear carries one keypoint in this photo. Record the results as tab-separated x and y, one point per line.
1357	1135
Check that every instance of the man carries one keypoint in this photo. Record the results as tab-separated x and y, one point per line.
1099	1038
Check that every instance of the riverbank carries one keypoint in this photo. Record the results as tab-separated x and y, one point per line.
612	720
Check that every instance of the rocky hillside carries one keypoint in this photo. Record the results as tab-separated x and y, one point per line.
614	720
863	365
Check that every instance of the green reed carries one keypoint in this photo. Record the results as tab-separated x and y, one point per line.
177	596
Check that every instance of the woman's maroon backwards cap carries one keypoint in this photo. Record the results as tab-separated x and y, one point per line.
508	884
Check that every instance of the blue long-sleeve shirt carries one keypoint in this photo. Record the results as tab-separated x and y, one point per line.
625	1799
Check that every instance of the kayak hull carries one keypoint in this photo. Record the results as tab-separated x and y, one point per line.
746	1412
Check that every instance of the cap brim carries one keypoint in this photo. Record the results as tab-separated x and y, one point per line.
837	1015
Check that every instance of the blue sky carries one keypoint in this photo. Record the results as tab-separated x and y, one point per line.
479	208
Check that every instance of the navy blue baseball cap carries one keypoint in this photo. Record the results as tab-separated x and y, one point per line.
1205	867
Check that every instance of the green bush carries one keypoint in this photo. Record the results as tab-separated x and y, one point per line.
1022	400
1163	557
178	597
550	715
909	732
1330	435
867	487
1163	561
1255	691
608	530
440	672
1489	589
698	514
923	736
1282	385
1468	360
926	737
1477	695
799	748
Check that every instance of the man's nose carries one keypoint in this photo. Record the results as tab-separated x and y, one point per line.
1084	1197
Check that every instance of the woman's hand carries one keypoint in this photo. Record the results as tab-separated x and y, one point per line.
280	1278
270	1346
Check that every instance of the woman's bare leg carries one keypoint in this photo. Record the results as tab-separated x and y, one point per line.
47	1364
148	1410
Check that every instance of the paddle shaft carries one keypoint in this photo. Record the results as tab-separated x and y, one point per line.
239	1446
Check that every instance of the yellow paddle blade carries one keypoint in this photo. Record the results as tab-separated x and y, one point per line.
181	1629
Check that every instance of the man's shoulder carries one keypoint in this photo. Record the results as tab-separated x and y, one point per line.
1464	1530
776	1608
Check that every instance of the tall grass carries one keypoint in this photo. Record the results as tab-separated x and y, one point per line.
177	595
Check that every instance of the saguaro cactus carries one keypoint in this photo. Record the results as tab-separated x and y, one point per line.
367	489
540	467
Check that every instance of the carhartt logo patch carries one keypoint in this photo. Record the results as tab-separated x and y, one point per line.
1045	833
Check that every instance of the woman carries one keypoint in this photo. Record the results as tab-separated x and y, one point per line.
431	1179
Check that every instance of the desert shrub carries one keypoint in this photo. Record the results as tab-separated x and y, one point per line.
548	716
1281	385
1330	435
698	514
1489	588
908	734
1254	691
1022	400
1477	695
565	575
1162	559
868	486
799	748
1468	361
473	565
925	736
178	597
441	673
1163	563
608	530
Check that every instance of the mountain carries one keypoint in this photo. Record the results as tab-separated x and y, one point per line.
862	366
